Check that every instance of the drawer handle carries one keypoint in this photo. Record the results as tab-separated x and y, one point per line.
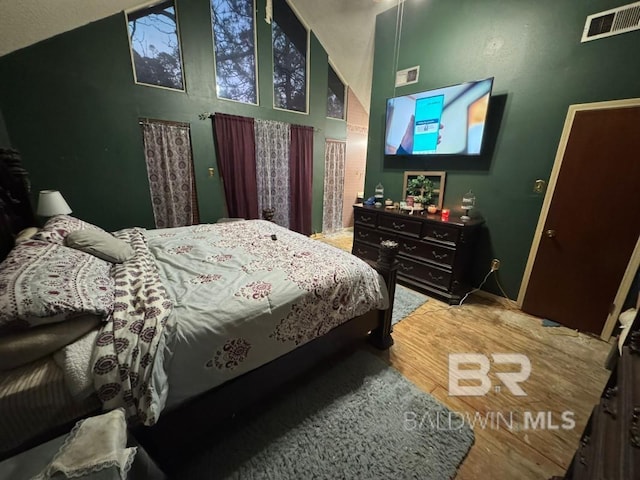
363	234
406	268
409	248
365	219
398	227
609	401
433	277
584	443
634	430
440	235
439	257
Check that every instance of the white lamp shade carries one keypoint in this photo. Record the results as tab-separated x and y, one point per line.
52	203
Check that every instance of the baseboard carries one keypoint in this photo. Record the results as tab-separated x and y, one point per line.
506	302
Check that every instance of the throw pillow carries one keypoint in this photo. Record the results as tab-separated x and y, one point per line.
101	244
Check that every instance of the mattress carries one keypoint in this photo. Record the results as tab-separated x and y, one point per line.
34	399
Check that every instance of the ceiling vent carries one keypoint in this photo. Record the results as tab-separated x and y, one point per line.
612	22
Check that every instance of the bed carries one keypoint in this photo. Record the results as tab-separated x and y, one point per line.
193	326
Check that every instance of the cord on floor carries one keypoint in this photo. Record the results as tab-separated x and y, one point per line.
477	288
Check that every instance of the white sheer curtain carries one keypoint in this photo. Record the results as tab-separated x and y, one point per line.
334	161
167	147
272	168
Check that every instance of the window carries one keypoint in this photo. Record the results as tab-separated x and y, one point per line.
290	43
335	96
234	39
155	46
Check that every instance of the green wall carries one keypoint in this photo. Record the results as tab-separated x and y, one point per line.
4	135
540	67
71	107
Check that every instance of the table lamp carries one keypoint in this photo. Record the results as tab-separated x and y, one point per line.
51	203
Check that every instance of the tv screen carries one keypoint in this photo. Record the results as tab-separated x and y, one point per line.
445	121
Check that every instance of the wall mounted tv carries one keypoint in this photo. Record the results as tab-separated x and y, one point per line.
445	121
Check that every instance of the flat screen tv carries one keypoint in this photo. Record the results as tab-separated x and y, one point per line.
445	121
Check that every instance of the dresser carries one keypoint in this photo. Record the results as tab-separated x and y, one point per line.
434	255
609	447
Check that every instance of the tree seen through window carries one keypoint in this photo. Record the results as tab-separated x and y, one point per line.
155	46
235	49
335	96
290	40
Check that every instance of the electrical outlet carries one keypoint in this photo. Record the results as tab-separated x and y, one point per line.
495	264
539	186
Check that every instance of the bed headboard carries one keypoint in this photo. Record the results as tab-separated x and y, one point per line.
16	212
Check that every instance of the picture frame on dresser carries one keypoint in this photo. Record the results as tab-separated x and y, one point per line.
437	178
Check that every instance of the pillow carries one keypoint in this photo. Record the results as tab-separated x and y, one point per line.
26	234
58	227
20	348
95	449
101	244
43	282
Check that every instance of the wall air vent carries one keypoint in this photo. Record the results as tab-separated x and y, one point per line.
612	22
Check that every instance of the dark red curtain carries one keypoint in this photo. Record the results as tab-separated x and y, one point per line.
300	178
236	150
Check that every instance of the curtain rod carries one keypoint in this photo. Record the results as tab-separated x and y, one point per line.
207	115
143	121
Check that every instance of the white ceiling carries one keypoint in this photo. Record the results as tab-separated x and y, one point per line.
344	27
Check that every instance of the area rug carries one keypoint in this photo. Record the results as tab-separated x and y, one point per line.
406	302
357	418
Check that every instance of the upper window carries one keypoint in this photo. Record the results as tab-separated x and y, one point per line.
335	96
290	44
235	48
155	46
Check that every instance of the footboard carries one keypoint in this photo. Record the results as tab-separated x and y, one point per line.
387	267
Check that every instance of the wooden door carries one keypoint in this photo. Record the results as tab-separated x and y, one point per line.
593	221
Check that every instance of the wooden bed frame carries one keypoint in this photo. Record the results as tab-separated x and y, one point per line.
221	403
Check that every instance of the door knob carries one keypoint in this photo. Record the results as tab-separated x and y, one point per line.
550	233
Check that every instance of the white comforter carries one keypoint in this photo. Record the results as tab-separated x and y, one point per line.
242	298
243	294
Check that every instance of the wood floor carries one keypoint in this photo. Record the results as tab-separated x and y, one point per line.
567	376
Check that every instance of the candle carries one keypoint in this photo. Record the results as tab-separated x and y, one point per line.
445	214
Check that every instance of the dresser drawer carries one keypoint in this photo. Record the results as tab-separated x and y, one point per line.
427	251
365	217
372	236
433	276
400	224
441	233
383	236
364	234
367	252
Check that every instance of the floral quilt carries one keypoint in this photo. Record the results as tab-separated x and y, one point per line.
247	292
126	353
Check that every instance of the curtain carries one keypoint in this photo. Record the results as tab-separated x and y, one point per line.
170	171
236	150
272	168
300	178
334	161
